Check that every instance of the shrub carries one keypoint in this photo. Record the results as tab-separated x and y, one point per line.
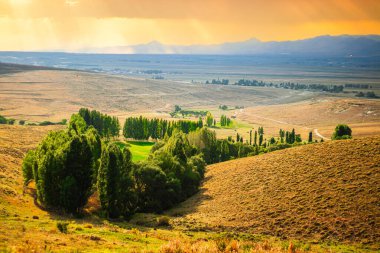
27	165
21	122
163	221
62	226
342	132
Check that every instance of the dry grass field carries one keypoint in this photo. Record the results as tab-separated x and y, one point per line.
326	191
52	95
38	95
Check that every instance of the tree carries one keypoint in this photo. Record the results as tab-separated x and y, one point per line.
151	187
310	137
27	166
209	119
261	139
342	131
115	182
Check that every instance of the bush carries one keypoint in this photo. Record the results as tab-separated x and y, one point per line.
21	122
62	226
163	221
342	132
3	120
27	166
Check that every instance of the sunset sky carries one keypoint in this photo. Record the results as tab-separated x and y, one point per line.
76	24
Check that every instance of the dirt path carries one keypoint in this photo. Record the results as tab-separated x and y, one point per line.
320	135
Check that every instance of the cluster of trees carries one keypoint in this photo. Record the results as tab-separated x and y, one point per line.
223	107
142	128
341	132
4	120
210	120
185	113
64	165
224	120
369	94
290	137
217	81
69	165
49	123
106	125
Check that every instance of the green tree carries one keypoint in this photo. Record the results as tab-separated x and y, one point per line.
209	119
27	165
115	182
342	131
310	136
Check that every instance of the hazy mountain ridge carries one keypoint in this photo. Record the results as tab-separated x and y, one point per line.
345	45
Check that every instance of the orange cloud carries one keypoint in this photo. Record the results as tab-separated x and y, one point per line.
74	24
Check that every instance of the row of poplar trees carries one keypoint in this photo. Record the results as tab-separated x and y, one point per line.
142	128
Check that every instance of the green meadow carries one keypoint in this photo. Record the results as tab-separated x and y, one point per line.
140	149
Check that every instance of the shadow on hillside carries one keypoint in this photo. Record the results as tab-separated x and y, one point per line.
191	204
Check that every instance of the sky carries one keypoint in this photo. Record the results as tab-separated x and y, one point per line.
70	25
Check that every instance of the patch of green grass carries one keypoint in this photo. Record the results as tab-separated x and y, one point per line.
140	149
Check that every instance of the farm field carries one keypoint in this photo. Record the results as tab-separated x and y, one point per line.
54	95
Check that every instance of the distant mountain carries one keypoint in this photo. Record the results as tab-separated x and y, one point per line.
343	46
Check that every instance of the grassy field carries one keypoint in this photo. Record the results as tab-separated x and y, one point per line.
326	191
140	149
27	228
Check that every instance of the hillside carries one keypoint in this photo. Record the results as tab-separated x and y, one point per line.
26	228
326	191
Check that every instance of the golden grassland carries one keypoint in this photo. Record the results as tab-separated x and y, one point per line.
324	191
221	217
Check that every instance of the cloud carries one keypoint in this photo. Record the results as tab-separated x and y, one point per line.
74	24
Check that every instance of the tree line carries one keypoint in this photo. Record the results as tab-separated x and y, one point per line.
142	128
284	85
106	125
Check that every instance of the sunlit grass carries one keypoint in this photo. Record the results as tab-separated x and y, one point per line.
140	149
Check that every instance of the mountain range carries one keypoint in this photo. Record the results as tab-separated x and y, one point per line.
333	46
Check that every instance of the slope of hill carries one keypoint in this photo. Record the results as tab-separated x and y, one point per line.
326	191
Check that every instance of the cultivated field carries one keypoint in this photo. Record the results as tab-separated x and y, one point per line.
52	95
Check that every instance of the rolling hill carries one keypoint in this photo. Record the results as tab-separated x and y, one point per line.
326	191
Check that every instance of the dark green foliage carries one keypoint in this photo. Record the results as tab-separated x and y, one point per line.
106	125
62	226
209	119
141	128
115	183
342	132
223	107
224	120
21	122
310	136
3	120
152	188
27	166
63	167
